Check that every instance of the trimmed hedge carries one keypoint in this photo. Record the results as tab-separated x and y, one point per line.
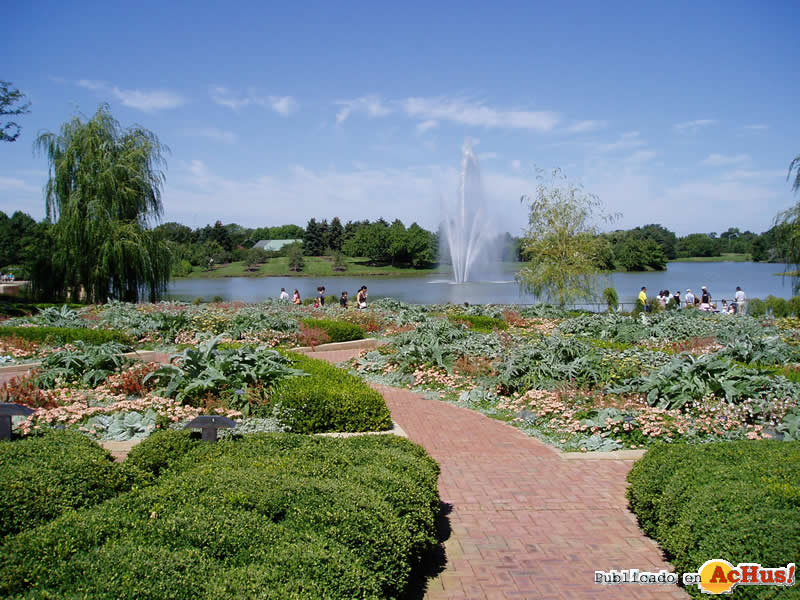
273	516
479	323
338	331
732	500
328	399
65	335
42	476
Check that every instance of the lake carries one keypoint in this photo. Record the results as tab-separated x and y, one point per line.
758	280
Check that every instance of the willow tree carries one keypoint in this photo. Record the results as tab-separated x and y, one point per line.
788	222
103	193
561	244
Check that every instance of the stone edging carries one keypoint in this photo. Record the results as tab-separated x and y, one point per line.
351	345
145	355
613	455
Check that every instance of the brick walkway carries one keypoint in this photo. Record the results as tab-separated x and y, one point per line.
524	523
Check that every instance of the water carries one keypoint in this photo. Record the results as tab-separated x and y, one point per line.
466	229
758	280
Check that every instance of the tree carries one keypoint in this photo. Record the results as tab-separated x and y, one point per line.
295	254
255	257
794	166
9	96
561	242
335	234
104	188
313	243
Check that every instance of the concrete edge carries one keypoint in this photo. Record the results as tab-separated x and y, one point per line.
613	455
144	355
351	345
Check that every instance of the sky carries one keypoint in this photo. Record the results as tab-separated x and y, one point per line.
677	113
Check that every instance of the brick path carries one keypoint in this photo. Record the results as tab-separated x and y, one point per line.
524	523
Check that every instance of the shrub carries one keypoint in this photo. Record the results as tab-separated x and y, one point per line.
479	323
793	306
162	449
267	516
777	306
330	399
338	331
611	298
731	500
45	475
67	335
756	307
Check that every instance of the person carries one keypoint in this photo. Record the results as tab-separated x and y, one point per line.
284	294
689	298
361	297
662	298
705	299
677	298
316	302
343	300
724	308
321	295
296	298
741	301
643	298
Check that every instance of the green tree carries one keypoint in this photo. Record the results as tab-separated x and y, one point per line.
794	166
698	244
9	96
295	254
422	245
255	257
335	234
103	191
313	242
561	242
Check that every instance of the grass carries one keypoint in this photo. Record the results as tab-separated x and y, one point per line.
724	257
315	266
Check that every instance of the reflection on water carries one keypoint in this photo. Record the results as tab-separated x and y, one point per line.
756	279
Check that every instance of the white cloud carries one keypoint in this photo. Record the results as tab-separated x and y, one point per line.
145	100
693	126
371	105
586	126
756	127
626	141
721	160
641	156
516	164
283	105
426	126
488	155
751	174
467	112
215	134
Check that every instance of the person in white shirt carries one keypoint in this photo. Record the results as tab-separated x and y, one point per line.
741	301
689	299
284	294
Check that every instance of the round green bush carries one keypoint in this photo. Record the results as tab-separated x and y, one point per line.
41	476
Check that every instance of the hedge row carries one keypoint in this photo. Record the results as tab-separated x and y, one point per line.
42	476
732	500
479	323
66	335
338	331
273	516
328	399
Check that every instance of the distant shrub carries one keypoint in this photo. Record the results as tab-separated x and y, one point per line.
756	307
338	331
611	298
793	306
42	476
66	335
721	500
777	306
329	399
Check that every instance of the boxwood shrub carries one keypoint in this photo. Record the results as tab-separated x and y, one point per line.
42	476
479	323
274	516
328	399
65	335
338	331
732	500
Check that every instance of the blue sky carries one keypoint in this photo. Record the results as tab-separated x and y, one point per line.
679	113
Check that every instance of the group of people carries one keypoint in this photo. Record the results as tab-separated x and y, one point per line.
6	277
319	299
702	301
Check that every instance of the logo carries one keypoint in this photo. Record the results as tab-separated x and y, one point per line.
718	576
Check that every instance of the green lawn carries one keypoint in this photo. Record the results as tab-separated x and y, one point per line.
725	257
315	266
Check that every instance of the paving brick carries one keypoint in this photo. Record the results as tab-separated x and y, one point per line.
525	523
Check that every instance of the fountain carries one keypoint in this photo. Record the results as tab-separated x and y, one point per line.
466	231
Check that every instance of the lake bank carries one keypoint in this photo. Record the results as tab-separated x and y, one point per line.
758	280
